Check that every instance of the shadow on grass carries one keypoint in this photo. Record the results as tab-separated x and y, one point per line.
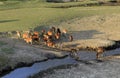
42	27
4	21
88	34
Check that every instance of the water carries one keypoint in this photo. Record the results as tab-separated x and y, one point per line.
96	69
37	67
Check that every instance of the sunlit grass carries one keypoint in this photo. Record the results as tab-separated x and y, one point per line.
18	15
43	3
23	19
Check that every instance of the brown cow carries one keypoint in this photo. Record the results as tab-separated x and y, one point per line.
45	37
64	31
35	36
25	35
50	33
50	44
57	36
28	40
100	51
70	38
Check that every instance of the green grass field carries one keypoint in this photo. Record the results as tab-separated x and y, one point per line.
22	16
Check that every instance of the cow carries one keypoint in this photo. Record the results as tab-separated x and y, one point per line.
50	33
64	33
50	44
58	31
99	53
71	38
57	36
29	40
18	34
25	35
53	29
35	36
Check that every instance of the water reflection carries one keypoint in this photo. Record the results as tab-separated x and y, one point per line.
37	67
85	57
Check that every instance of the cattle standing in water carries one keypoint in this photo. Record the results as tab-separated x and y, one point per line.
74	54
64	33
100	51
71	38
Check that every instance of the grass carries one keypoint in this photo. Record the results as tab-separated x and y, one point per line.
25	18
2	43
31	14
40	3
3	61
7	50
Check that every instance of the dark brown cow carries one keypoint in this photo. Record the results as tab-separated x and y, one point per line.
58	30
35	36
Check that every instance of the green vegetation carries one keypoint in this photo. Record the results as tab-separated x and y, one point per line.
2	43
20	15
3	60
39	4
7	50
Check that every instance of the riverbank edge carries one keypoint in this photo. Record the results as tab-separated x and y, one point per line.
51	70
24	64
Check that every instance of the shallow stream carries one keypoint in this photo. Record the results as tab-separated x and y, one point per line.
24	72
